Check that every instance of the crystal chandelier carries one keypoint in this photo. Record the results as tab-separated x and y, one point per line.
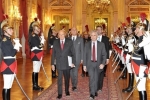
64	21
100	21
99	6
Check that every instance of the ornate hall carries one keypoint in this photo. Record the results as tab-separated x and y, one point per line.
85	16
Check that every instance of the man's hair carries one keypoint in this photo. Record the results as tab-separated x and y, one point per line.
93	31
99	27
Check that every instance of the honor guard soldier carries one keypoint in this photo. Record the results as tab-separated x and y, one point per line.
128	52
9	64
146	38
51	40
123	42
139	63
86	39
36	43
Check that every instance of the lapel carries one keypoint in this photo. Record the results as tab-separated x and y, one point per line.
102	40
59	45
90	47
98	48
76	41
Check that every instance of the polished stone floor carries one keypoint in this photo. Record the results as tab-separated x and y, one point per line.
25	73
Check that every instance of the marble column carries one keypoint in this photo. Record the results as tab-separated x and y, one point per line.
78	14
115	23
121	11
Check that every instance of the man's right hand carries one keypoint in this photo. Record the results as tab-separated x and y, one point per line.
53	68
84	68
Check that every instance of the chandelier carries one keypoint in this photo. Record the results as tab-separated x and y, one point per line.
15	14
99	6
136	19
64	21
100	21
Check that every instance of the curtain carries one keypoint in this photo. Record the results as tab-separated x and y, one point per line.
23	29
39	13
1	11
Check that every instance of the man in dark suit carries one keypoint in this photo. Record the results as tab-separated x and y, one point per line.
51	40
62	48
94	61
86	39
104	40
78	48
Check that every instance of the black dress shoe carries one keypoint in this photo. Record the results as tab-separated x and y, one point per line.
74	88
91	97
59	96
38	88
67	94
96	94
55	76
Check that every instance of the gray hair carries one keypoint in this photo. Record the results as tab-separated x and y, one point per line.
93	31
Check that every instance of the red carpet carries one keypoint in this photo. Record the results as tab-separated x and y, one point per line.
109	91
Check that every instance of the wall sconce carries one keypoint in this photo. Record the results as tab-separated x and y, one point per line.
34	15
136	19
64	21
100	21
47	21
15	14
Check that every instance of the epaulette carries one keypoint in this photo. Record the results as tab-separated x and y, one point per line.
4	39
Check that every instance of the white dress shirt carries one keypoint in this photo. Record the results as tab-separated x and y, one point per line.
74	38
99	38
63	41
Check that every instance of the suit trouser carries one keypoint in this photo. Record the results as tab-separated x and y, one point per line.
74	75
66	74
93	77
105	68
100	80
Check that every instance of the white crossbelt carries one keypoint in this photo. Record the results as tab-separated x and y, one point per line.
136	58
9	57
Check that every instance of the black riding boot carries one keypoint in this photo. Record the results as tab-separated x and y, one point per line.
121	66
124	76
6	94
142	95
35	82
130	84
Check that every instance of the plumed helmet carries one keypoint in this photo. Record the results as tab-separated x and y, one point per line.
87	28
128	20
123	25
4	25
33	24
53	26
142	16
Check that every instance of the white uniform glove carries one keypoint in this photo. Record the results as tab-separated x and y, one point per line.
42	39
17	44
130	47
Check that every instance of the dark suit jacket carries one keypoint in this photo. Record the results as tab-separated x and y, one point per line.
105	40
101	54
61	56
78	47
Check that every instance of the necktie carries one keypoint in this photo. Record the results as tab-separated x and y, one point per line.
62	45
73	38
93	52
